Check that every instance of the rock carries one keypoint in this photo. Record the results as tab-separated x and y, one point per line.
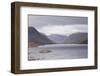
45	51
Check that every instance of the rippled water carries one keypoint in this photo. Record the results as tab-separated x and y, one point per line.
58	51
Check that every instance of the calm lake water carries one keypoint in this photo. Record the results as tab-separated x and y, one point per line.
58	51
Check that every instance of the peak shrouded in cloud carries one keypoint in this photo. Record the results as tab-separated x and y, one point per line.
62	25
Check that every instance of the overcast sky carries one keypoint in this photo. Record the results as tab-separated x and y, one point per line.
64	25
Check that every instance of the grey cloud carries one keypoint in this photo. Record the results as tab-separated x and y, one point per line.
39	21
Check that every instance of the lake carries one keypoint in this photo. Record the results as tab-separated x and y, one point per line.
58	51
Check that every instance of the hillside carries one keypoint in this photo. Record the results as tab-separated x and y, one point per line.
36	38
77	38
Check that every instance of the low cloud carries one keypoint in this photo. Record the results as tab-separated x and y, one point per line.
63	29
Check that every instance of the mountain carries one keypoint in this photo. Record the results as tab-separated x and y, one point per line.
84	42
77	38
57	38
36	38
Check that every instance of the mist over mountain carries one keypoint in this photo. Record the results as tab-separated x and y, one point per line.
36	38
57	38
75	38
